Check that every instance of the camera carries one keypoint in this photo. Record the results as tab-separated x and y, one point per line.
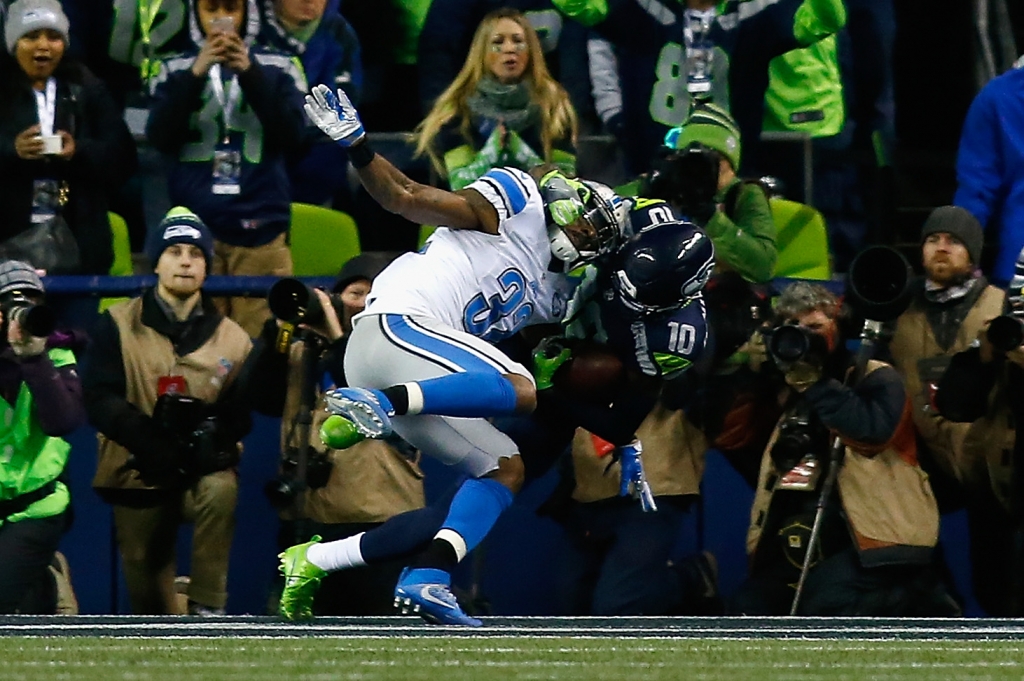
792	343
293	302
1006	333
35	319
282	490
687	177
801	436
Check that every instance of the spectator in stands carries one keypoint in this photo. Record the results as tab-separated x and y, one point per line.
503	109
226	117
162	390
881	523
990	167
448	34
350	491
952	303
328	49
63	145
651	43
42	403
981	388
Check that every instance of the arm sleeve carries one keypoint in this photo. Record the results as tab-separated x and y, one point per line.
867	413
965	386
276	96
604	79
56	395
464	165
175	98
979	160
105	387
106	151
816	19
746	243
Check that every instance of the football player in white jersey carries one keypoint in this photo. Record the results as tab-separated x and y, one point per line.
422	348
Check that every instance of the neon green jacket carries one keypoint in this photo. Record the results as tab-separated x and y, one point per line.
29	458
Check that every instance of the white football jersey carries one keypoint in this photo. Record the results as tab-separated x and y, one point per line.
487	285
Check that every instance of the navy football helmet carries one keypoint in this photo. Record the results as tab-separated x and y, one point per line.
662	267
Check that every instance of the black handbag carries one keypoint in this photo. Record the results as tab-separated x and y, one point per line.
49	245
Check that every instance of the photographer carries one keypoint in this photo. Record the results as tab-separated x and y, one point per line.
42	402
983	391
161	389
696	173
344	492
881	522
951	305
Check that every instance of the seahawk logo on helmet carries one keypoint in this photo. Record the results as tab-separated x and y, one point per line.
604	210
663	267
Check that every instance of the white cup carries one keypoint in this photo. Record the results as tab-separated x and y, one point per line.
52	144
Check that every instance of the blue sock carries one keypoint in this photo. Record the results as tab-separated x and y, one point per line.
474	510
468	394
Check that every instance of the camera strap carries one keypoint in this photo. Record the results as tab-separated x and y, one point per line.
9	507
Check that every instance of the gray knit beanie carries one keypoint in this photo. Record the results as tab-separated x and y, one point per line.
25	16
19	276
960	223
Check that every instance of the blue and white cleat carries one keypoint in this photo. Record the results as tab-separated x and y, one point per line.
366	408
426	592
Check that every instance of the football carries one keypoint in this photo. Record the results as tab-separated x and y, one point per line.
593	374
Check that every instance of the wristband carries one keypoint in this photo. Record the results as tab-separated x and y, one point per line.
361	155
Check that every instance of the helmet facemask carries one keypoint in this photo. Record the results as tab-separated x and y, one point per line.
597	232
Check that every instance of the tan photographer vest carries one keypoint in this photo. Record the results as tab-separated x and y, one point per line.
673	457
369	482
886	496
945	440
147	355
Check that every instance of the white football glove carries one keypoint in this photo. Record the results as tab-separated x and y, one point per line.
335	115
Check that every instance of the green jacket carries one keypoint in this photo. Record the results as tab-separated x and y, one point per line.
745	242
805	91
29	458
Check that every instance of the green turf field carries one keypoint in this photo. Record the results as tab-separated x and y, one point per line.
448	659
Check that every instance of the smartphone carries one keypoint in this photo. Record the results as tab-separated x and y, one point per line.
222	25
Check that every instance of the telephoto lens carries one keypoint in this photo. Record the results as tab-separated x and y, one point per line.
293	302
35	320
1006	333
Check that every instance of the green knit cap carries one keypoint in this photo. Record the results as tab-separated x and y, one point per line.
712	126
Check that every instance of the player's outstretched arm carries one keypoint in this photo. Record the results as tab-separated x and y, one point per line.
389	186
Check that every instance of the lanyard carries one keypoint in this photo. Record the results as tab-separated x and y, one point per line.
46	105
228	101
148	9
697	27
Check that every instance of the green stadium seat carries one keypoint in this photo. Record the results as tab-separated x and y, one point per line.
322	240
122	245
802	239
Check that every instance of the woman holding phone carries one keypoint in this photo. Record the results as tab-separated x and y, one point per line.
63	146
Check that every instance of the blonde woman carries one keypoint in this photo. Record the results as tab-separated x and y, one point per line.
502	109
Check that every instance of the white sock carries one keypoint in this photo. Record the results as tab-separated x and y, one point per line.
337	555
456	540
